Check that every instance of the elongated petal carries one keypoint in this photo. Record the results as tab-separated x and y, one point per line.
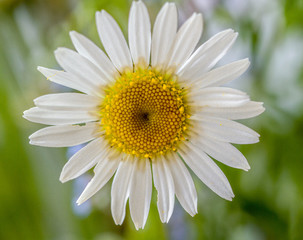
69	80
164	33
225	130
76	64
104	170
88	49
121	189
113	41
139	34
50	117
222	75
184	185
218	97
208	172
164	184
208	54
68	102
185	41
248	110
65	135
141	190
223	152
83	160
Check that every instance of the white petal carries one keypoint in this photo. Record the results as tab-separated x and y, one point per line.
83	160
248	110
222	75
218	97
185	41
113	41
207	55
208	172
224	130
140	194
184	185
104	170
65	135
223	152
139	34
164	184
78	65
164	32
68	102
88	49
69	80
121	188
50	117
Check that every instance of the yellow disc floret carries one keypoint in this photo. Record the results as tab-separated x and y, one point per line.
144	113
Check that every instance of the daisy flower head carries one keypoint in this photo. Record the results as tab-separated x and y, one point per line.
149	108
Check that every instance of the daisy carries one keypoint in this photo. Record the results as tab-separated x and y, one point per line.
147	109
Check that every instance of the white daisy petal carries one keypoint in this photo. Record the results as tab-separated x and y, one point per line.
139	34
68	102
207	55
224	130
164	184
113	41
50	117
104	170
83	160
223	152
88	49
183	45
140	194
218	97
76	64
164	32
208	172
184	185
247	110
222	75
121	189
69	80
65	135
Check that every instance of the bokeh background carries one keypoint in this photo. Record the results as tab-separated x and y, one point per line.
269	198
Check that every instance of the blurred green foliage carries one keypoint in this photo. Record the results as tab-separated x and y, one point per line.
269	198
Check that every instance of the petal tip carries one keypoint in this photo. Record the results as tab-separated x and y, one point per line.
97	14
245	62
58	51
80	200
62	177
246	168
26	114
103	13
230	197
73	34
199	15
138	226
170	4
118	221
193	212
262	108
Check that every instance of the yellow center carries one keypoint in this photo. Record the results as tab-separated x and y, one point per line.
144	113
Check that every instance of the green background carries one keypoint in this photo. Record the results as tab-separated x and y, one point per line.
269	198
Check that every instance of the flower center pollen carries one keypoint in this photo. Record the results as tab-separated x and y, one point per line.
144	113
